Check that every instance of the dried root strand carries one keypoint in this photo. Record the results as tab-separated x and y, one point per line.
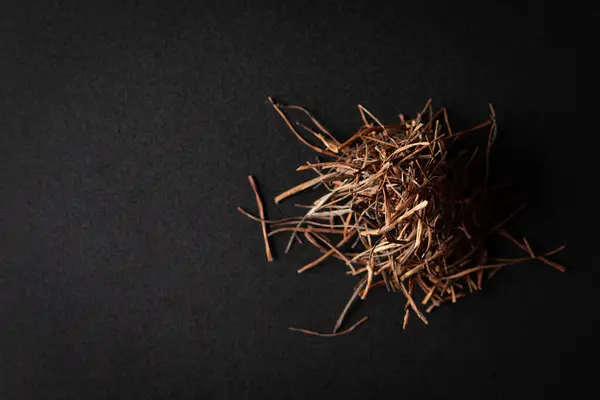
406	208
261	213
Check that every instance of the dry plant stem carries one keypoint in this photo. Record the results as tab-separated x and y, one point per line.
351	301
312	118
388	228
353	327
268	221
261	213
332	145
289	124
303	186
504	262
363	296
311	239
412	303
311	229
326	255
326	165
543	259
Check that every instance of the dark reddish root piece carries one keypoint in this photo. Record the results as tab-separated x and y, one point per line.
277	108
353	327
349	304
261	213
268	221
407	206
527	248
326	255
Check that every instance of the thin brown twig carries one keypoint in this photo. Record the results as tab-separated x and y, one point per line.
261	213
353	327
348	305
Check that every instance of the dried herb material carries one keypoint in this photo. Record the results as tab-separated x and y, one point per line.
353	327
408	206
261	213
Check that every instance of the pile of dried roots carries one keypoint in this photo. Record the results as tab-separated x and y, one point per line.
407	207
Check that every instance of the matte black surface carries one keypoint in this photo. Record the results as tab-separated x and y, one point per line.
127	134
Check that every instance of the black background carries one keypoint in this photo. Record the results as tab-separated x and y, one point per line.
127	133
